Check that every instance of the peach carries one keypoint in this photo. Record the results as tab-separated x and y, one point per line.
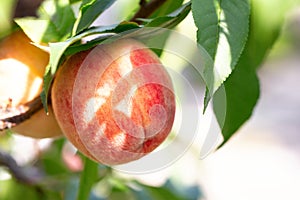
115	103
22	67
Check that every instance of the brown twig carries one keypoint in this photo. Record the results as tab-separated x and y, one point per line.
146	9
26	8
19	173
19	114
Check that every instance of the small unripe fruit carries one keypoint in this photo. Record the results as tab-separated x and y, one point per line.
115	103
22	66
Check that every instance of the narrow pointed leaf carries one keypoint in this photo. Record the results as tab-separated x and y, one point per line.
236	105
89	11
221	35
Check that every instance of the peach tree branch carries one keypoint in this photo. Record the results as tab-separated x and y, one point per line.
146	9
12	116
21	175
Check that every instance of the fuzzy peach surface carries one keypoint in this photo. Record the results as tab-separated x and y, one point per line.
115	103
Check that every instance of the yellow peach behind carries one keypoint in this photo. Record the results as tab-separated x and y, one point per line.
22	66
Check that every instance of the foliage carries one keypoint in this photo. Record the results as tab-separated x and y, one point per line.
235	33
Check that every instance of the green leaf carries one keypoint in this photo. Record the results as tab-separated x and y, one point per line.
43	31
158	193
157	30
168	7
89	11
6	13
235	105
89	175
123	27
222	31
12	190
47	80
167	191
172	19
167	22
55	22
60	14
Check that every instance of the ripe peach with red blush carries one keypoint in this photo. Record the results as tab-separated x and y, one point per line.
115	103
